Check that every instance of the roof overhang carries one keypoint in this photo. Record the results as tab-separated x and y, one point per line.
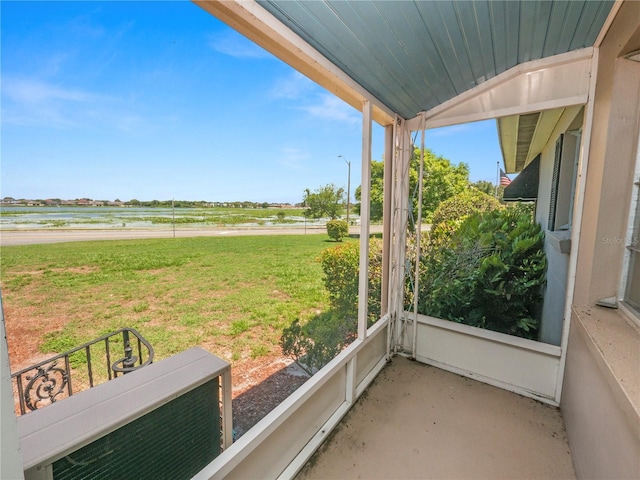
257	24
522	137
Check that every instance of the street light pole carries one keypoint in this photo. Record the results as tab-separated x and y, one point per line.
348	185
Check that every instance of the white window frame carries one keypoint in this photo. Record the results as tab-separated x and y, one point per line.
632	242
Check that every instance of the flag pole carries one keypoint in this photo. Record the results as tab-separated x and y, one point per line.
497	177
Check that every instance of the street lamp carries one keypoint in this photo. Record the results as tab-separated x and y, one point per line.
348	185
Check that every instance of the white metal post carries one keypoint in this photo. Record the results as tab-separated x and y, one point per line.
387	192
416	280
400	211
392	172
365	195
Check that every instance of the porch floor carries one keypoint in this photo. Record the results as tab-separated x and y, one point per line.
417	421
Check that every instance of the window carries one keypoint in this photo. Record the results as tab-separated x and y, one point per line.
564	181
631	274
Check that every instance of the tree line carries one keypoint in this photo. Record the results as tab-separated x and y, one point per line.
442	179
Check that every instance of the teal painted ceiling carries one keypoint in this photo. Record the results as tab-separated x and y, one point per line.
415	55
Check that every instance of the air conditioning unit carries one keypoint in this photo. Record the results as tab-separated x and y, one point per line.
164	421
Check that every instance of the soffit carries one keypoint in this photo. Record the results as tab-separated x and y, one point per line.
523	137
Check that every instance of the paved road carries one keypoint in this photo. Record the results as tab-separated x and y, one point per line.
30	237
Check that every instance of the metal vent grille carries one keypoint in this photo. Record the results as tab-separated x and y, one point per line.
526	129
173	442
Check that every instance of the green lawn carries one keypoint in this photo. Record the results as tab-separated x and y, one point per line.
231	295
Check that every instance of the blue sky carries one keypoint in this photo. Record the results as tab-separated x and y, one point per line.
160	100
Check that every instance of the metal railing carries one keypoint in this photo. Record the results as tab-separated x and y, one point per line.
75	370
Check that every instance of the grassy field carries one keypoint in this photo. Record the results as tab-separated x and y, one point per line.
231	295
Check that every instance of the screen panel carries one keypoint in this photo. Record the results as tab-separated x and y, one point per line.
174	441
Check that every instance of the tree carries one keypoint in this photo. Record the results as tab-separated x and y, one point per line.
324	202
485	187
376	194
489	188
441	180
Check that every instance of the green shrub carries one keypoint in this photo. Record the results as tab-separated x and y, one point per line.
525	208
453	211
464	204
341	269
337	229
489	275
315	343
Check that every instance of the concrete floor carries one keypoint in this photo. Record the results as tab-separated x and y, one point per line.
417	421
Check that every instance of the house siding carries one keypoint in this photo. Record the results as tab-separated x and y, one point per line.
557	261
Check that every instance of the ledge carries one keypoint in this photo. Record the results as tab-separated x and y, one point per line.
615	345
54	431
560	240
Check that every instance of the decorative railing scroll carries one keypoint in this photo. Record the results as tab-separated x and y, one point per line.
78	369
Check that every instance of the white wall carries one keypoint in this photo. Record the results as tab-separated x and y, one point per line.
11	463
600	396
516	364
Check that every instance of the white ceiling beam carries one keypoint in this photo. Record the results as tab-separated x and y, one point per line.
255	23
553	82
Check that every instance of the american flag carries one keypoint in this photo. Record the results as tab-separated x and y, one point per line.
504	180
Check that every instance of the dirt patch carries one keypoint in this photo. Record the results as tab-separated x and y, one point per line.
259	386
24	335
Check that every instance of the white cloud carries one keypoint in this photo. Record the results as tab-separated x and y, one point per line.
293	87
33	102
30	102
233	44
293	158
312	99
33	92
330	107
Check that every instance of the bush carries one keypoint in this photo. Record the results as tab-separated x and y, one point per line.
464	204
453	211
315	343
337	229
525	208
341	269
489	275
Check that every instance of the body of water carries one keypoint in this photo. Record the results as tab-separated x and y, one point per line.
21	218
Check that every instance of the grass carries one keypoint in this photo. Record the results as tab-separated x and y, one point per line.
231	295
